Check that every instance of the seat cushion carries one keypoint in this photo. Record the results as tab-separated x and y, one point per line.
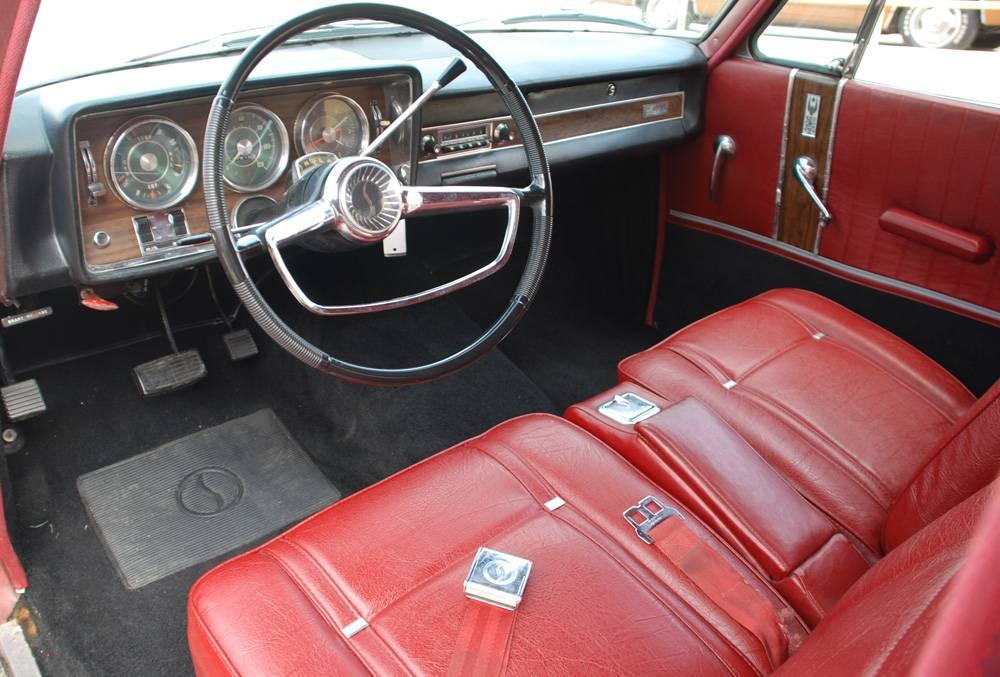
847	412
395	555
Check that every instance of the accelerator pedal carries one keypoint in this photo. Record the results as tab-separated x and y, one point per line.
240	345
170	373
22	400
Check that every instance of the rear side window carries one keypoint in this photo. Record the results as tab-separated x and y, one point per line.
945	48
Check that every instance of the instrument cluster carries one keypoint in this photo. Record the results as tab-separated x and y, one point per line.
152	161
140	177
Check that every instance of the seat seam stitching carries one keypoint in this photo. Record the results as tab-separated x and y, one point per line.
417	586
843	459
843	346
663	602
313	603
772	357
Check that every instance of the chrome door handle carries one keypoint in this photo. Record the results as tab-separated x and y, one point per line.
805	172
725	147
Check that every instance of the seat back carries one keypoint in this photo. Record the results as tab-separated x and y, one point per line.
966	459
883	622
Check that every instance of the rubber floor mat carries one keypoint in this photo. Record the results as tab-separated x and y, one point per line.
201	496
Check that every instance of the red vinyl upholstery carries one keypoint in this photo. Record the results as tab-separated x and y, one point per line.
882	623
936	158
844	411
598	600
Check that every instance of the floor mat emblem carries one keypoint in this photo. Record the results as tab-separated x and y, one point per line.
201	496
209	491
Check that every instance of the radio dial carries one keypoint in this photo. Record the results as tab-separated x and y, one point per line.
503	132
429	145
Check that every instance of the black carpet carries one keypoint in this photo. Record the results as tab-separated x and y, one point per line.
89	622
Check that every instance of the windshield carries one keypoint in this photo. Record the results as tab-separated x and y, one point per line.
109	33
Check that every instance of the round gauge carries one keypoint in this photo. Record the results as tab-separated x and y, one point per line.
333	124
256	149
152	163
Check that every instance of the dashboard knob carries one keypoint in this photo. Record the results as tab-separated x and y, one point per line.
429	145
503	132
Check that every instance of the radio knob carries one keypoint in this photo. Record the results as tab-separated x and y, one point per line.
429	145
503	132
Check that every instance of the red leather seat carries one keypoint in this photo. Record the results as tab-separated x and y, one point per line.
845	411
598	600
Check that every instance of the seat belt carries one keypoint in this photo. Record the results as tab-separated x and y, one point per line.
665	529
494	588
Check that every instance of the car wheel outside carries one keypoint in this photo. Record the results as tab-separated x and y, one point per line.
939	27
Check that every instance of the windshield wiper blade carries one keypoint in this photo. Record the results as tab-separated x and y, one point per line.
578	16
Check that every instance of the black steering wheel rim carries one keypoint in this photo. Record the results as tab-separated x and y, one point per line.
232	263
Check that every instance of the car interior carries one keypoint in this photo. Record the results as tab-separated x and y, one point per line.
372	341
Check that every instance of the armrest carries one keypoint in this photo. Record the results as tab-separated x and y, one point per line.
948	239
720	477
771	520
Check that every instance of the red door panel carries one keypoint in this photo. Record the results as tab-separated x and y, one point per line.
746	100
936	158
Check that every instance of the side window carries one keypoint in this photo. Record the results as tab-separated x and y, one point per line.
945	47
817	33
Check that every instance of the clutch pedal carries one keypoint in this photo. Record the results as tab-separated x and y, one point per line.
240	344
22	400
170	373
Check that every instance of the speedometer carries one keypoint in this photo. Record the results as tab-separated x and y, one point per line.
256	149
152	163
332	123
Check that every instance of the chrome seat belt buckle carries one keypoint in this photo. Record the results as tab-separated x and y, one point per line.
497	578
646	515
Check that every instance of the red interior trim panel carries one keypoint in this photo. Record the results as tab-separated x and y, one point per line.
937	160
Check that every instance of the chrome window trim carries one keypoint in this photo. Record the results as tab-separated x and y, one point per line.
784	152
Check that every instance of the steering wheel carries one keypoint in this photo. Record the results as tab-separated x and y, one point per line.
360	201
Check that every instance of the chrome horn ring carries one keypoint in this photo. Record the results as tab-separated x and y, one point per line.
361	203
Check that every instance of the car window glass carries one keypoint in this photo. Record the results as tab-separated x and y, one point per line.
945	48
812	32
683	18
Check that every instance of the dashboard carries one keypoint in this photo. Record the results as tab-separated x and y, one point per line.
139	184
101	180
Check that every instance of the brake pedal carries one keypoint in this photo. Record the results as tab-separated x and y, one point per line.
240	345
23	400
167	374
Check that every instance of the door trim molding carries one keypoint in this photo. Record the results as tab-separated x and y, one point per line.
882	282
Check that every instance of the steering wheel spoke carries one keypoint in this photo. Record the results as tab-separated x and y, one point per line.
359	201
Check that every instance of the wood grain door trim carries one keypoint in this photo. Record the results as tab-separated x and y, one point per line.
796	218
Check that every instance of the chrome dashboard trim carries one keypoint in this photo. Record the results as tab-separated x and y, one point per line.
541	116
836	267
327	83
